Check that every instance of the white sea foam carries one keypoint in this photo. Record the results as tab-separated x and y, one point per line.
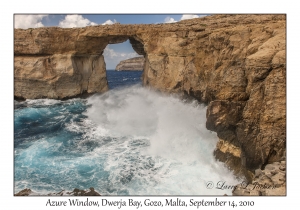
42	101
162	144
131	141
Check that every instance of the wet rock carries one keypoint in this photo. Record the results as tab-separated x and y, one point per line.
76	192
90	192
24	192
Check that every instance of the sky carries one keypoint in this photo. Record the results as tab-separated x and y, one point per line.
113	53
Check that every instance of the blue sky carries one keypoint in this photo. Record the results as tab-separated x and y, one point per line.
113	53
53	20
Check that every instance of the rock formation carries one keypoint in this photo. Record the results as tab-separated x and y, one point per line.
234	63
270	181
59	76
132	64
76	192
24	192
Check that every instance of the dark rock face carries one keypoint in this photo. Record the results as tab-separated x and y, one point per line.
262	133
137	46
132	64
24	192
223	116
78	192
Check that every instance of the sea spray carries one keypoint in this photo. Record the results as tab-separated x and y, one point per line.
130	141
174	143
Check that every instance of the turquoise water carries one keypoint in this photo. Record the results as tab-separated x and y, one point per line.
128	141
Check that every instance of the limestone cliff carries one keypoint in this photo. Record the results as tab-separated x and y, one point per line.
132	64
59	76
234	63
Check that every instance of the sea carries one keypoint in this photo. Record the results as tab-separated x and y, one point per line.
130	140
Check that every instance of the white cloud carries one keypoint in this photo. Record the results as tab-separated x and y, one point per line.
170	20
111	54
112	58
185	17
29	21
109	22
71	21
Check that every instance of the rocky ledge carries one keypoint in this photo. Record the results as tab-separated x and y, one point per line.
270	181
132	64
75	192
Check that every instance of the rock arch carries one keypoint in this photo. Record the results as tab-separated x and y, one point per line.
58	65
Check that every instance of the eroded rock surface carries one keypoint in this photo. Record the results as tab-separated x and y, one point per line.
132	64
25	192
270	181
59	76
76	192
234	63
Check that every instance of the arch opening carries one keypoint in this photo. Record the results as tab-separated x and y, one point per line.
124	59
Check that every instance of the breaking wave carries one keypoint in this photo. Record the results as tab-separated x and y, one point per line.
128	141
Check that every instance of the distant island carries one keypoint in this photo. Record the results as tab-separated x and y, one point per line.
132	64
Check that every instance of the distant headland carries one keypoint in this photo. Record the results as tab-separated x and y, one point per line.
132	64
